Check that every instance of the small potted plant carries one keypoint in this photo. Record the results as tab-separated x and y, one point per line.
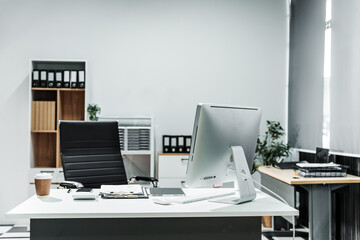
269	151
92	110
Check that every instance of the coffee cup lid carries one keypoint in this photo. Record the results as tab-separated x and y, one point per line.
43	176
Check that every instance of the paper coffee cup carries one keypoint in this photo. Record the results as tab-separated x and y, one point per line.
42	184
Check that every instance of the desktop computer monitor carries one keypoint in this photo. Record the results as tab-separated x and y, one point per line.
217	128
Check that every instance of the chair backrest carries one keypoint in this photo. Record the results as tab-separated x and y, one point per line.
90	153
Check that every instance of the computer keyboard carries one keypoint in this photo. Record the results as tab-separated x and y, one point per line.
197	197
229	200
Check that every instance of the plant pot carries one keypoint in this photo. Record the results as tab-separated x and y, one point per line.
266	221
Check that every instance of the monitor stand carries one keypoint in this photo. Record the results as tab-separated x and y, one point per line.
245	184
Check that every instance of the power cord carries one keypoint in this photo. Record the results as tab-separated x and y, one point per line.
280	198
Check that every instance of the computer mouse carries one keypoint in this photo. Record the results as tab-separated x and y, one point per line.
161	201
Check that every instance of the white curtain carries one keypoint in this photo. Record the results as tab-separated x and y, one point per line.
307	36
345	80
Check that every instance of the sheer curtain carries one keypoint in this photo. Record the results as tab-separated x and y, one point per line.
306	82
345	82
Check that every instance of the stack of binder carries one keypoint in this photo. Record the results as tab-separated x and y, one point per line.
176	144
59	78
320	170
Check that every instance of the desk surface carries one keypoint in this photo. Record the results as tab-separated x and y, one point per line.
61	205
288	176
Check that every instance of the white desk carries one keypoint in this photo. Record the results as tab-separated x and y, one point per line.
58	215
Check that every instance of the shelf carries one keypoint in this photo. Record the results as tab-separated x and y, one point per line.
67	110
44	148
61	89
72	89
48	106
44	131
46	167
44	89
135	152
173	154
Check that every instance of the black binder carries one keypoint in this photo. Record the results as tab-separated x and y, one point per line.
81	79
173	144
43	78
66	81
35	78
58	78
181	144
166	144
187	144
51	79
73	79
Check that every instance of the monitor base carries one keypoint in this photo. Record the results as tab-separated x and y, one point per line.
245	184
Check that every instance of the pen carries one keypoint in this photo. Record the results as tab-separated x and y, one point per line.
126	196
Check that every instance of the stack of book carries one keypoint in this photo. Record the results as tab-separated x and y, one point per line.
320	170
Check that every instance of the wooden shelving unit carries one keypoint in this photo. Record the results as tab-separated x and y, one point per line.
69	105
52	105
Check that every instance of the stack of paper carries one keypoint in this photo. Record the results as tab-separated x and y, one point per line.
320	170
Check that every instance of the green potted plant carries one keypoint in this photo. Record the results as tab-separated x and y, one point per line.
271	149
92	110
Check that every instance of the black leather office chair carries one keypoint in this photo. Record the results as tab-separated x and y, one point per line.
90	154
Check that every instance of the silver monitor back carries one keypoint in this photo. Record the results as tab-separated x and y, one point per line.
216	129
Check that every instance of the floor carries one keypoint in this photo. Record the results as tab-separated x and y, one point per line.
14	232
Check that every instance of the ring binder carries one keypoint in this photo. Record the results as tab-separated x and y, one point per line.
59	78
35	78
173	144
51	79
66	81
181	144
81	79
166	144
187	143
43	78
73	79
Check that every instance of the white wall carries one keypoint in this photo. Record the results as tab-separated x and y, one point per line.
145	57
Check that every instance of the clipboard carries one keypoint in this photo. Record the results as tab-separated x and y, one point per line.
123	192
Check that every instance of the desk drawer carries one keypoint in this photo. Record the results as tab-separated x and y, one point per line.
172	166
172	182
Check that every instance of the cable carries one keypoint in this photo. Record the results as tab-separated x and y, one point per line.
280	198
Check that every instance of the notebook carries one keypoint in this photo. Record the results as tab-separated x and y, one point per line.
166	192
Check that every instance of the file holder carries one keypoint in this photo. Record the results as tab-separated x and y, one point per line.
81	79
187	144
35	78
43	78
66	81
173	144
51	79
73	79
181	144
59	78
166	143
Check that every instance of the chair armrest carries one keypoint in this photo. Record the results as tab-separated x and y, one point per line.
71	184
